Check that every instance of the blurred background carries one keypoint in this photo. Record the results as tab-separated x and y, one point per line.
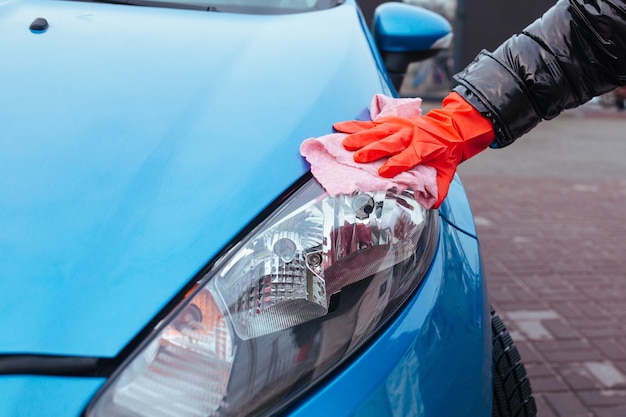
477	25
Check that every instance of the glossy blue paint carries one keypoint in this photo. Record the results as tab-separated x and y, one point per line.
456	208
135	144
440	342
45	396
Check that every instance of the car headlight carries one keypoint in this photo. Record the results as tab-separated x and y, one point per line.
280	309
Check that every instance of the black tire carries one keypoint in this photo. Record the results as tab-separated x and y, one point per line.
512	394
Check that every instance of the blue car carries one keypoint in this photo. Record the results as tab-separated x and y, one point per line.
165	250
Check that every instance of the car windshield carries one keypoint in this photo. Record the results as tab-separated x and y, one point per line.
234	6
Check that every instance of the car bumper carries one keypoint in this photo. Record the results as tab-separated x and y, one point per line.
435	357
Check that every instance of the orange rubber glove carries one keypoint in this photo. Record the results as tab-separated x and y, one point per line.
441	139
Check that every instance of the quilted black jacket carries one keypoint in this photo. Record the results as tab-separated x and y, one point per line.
575	52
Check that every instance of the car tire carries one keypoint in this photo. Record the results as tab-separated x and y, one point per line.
512	393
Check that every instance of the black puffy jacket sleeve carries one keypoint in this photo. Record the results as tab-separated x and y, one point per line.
574	52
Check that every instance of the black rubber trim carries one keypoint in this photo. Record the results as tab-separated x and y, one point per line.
32	364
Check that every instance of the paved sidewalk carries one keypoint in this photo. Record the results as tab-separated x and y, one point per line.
551	216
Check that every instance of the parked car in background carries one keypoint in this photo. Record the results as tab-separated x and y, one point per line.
165	251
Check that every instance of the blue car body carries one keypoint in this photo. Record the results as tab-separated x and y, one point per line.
137	142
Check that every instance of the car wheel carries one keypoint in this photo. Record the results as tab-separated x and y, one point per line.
512	394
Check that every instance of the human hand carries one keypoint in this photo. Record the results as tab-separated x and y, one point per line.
441	139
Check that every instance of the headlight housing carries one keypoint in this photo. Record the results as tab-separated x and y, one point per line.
279	310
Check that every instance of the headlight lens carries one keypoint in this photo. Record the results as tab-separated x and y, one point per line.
280	309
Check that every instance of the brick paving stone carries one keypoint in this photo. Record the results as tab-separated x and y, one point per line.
562	345
603	293
552	228
610	348
566	404
560	330
601	330
549	383
516	305
591	310
586	322
543	408
501	295
615	309
528	352
570	310
621	365
577	377
617	411
604	398
606	373
573	355
538	369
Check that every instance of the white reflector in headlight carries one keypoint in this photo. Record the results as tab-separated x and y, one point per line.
285	274
281	308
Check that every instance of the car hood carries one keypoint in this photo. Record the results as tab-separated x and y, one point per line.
137	142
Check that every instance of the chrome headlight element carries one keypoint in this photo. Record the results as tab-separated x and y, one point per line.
279	310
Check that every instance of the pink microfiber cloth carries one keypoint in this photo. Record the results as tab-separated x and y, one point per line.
335	169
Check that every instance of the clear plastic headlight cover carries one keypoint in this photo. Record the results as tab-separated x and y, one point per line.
279	310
